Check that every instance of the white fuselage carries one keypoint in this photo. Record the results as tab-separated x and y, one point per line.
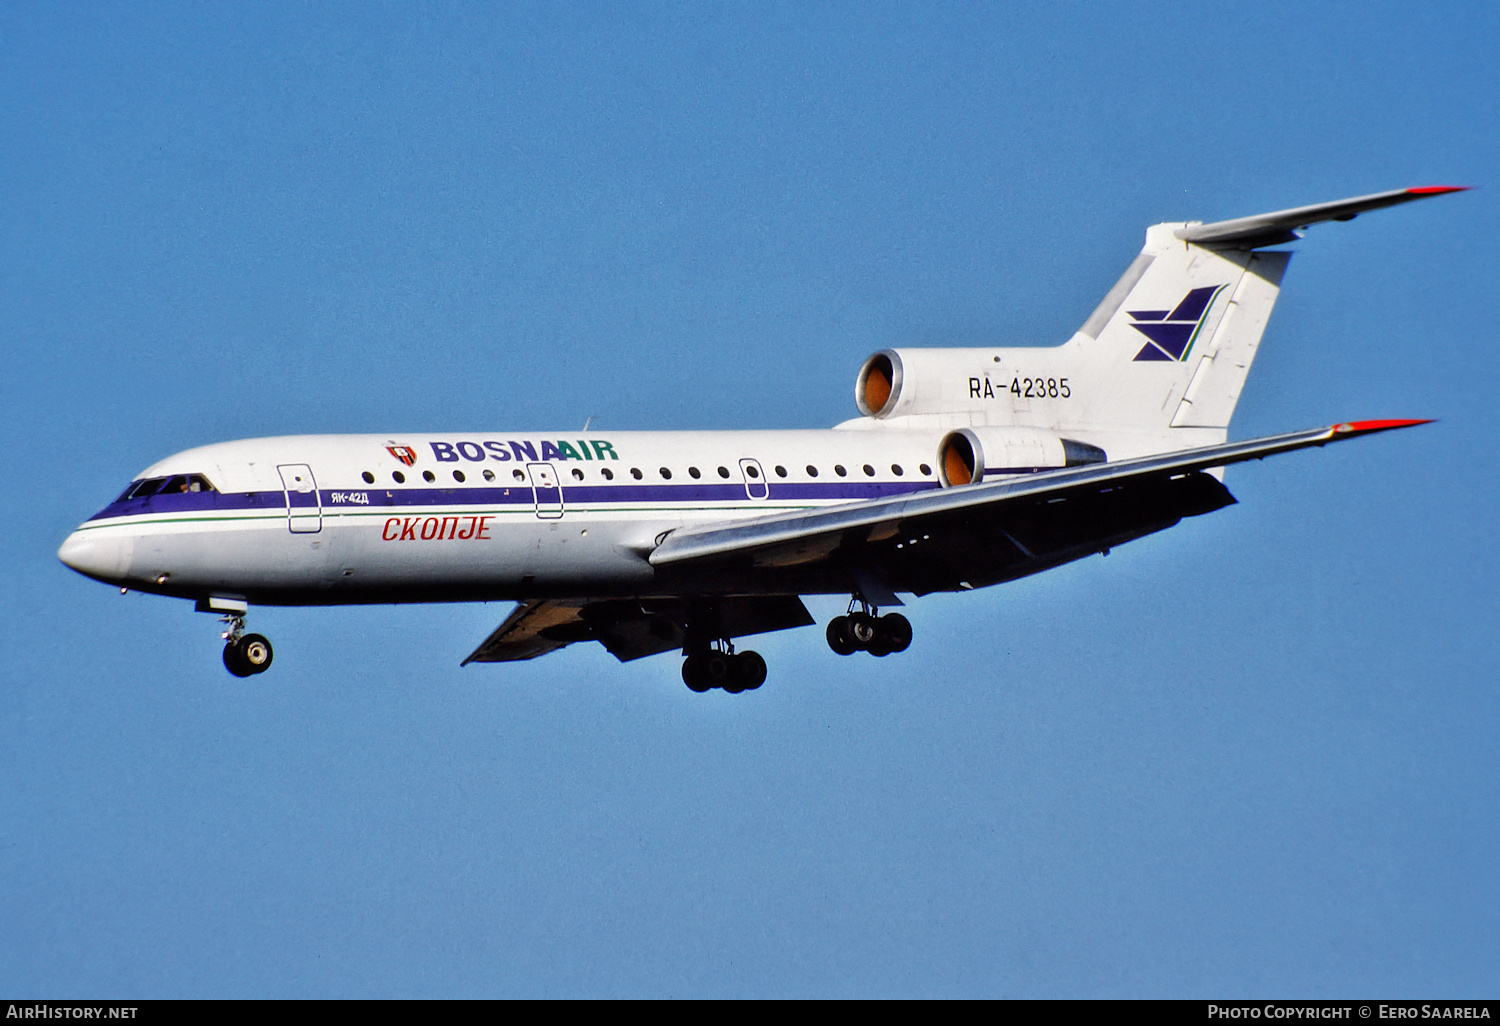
332	519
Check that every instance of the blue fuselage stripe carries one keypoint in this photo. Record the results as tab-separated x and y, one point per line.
579	497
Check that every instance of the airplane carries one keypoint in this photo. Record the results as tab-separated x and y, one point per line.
966	468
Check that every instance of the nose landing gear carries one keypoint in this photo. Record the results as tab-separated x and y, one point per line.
863	630
244	654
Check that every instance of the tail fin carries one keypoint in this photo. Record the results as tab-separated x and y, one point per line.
1178	332
1158	367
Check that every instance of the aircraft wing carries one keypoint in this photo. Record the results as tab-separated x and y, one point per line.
980	534
632	628
520	635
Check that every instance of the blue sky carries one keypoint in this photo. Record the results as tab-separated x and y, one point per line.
1253	755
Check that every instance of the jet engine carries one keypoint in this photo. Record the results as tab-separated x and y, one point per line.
964	455
903	382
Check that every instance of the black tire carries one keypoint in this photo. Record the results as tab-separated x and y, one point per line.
234	661
723	670
864	629
896	629
256	652
752	670
879	646
693	674
839	638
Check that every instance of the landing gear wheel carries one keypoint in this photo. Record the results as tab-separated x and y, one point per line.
256	652
694	675
863	629
723	671
896	630
839	638
751	669
234	661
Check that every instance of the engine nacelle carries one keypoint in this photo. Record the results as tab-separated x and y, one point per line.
903	382
965	455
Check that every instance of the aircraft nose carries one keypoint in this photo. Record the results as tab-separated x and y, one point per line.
95	554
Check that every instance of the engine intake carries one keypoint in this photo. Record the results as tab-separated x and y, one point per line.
878	388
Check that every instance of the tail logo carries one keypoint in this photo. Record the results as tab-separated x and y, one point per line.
1172	333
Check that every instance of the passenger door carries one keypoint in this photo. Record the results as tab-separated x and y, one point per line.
544	485
304	511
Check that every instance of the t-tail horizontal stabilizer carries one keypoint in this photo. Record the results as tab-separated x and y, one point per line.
1281	226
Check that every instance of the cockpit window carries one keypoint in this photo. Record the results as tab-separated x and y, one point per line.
181	483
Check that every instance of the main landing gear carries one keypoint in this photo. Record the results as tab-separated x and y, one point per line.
244	654
863	630
722	667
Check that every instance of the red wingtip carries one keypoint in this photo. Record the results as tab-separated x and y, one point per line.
1364	427
1436	190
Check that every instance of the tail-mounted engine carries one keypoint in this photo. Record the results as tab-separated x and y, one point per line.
905	382
898	383
966	454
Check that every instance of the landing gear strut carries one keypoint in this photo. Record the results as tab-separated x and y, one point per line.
863	630
721	667
244	654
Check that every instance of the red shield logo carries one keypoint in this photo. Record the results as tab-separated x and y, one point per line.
405	453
